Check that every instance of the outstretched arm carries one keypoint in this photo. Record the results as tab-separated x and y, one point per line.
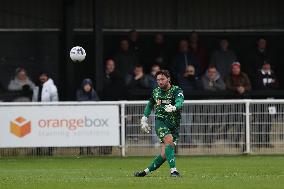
144	124
149	107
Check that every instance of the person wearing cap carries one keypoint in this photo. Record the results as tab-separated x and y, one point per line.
237	80
46	91
87	92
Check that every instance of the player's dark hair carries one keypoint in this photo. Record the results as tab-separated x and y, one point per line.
163	72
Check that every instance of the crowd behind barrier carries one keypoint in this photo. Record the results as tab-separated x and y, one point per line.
129	73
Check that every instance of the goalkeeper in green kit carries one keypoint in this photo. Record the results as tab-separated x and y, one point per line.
167	100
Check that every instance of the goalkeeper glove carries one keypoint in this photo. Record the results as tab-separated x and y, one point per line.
144	125
170	108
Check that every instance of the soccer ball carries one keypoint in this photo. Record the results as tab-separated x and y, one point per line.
77	54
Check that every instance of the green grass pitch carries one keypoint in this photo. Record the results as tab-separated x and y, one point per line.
216	172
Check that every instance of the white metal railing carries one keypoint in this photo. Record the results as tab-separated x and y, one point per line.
207	127
214	127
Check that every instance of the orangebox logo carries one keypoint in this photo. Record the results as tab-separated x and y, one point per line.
20	127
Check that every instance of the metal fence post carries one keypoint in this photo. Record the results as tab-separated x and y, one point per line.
122	132
247	127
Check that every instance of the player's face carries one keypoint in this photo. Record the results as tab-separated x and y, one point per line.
163	81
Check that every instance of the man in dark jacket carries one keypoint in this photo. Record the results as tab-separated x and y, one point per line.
114	88
189	81
266	79
134	43
237	81
137	80
87	92
183	59
158	53
223	58
198	50
125	59
258	57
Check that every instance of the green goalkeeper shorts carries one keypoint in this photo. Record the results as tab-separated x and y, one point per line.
163	128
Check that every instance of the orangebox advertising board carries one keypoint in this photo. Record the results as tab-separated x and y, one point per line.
59	126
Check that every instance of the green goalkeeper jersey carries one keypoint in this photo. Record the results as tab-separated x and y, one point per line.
160	98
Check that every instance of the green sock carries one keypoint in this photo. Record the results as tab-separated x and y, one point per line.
158	161
170	155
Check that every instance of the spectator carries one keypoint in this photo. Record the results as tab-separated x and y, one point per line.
152	76
134	44
193	37
137	80
21	79
258	57
211	80
158	53
189	81
125	59
223	58
266	79
183	59
46	91
198	51
86	92
237	81
113	82
21	83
